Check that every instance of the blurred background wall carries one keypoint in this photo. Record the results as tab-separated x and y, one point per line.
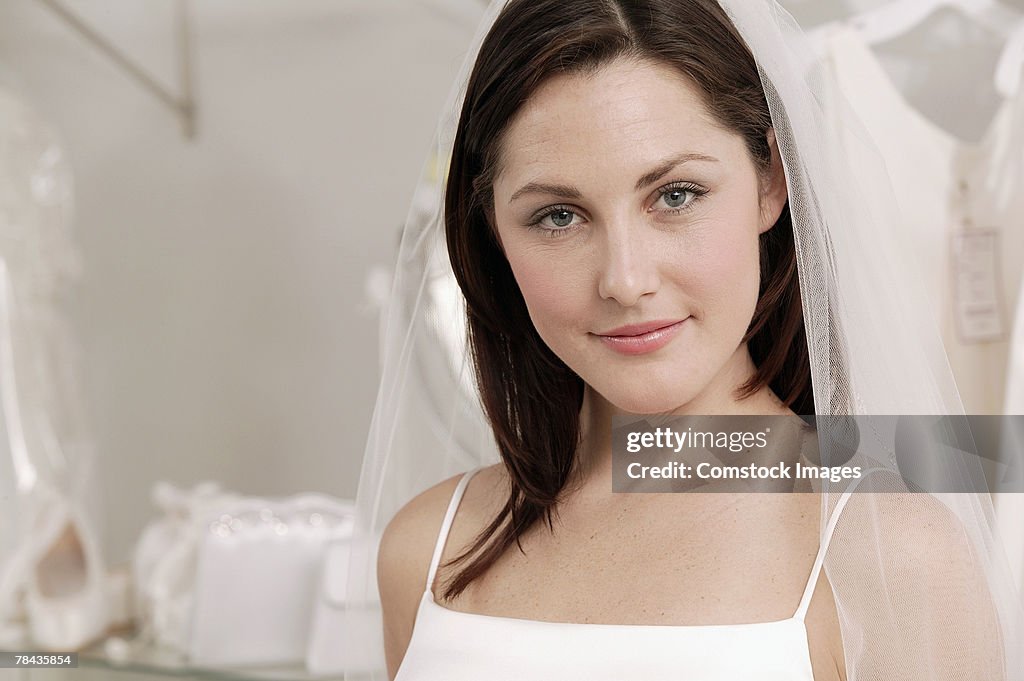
223	315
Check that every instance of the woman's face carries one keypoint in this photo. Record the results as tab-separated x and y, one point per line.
619	201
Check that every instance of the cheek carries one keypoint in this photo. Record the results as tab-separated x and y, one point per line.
728	267
553	293
732	260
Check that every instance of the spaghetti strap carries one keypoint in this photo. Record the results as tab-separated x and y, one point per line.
819	560
446	526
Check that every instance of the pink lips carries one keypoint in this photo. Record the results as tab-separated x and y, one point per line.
639	339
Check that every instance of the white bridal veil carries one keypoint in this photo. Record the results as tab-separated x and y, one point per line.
922	590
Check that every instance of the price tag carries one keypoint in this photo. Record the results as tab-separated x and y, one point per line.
977	304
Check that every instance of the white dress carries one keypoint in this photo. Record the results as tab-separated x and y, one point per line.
450	645
927	166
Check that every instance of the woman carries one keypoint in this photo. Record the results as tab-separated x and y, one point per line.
618	216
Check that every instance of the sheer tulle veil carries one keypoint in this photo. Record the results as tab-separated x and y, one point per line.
873	350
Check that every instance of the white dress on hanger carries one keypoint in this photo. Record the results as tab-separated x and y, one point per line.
939	180
928	168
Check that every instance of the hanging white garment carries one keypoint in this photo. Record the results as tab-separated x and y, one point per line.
954	193
943	184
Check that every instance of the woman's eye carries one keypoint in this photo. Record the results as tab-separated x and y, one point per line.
559	218
677	197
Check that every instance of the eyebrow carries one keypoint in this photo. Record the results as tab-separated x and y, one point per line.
570	192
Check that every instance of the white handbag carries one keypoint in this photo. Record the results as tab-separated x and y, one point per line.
227	580
164	563
256	578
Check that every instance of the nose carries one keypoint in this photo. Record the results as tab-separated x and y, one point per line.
629	267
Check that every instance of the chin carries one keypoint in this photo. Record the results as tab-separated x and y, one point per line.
643	400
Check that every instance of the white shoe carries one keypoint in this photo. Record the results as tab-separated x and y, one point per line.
67	599
52	576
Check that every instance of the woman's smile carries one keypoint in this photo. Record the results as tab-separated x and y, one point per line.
644	340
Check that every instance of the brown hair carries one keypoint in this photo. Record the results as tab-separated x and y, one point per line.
531	398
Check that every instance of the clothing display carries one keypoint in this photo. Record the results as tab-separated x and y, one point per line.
961	204
874	348
721	652
969	244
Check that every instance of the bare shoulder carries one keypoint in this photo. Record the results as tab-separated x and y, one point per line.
916	568
407	545
927	543
408	540
912	524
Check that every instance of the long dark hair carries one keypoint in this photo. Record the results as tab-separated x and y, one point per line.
531	398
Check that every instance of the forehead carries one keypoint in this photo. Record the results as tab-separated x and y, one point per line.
625	114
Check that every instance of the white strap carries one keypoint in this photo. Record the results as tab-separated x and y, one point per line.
819	560
446	526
